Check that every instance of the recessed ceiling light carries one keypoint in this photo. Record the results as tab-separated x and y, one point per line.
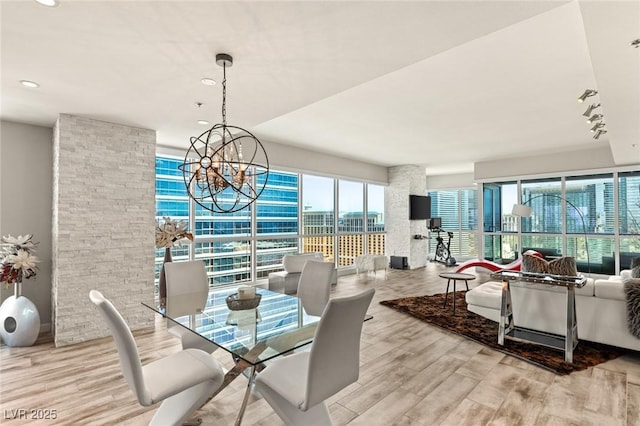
203	122
31	84
50	3
208	81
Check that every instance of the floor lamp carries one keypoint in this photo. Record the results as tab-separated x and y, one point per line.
523	210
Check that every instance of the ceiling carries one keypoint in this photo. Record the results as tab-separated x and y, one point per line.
442	84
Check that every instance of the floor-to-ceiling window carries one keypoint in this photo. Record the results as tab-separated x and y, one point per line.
295	213
172	201
589	217
276	222
351	217
499	226
543	229
628	216
458	212
375	219
318	215
573	216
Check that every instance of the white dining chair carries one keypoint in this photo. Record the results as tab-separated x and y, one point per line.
297	386
182	381
314	286
187	278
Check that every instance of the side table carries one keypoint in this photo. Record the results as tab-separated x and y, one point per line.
455	276
507	328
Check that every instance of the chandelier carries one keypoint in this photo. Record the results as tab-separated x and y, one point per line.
226	168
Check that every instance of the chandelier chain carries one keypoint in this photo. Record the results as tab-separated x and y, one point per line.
224	94
217	174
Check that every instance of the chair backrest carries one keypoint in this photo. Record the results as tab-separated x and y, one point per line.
314	286
334	361
294	263
186	278
126	344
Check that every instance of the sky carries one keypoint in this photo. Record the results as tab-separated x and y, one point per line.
315	191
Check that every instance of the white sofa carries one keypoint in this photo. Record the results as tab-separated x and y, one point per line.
287	281
600	308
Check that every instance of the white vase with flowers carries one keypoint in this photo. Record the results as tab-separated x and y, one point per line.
168	234
19	316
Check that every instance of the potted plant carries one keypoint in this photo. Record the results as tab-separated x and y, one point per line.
168	234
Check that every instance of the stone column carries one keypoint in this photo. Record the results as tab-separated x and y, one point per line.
404	181
103	225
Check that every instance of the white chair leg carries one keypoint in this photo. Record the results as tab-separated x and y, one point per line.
317	415
176	409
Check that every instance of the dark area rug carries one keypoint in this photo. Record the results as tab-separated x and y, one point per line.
430	309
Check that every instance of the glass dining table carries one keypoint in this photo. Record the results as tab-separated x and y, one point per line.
276	326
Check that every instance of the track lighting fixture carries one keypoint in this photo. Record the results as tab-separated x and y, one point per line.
597	128
594	118
599	133
589	110
586	94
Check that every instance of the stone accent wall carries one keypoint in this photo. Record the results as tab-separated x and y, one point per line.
404	181
103	225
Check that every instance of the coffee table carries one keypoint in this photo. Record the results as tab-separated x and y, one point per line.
455	276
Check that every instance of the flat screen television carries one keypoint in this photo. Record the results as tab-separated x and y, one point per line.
419	207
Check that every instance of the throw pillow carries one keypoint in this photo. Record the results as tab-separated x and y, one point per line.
563	266
534	264
635	267
632	295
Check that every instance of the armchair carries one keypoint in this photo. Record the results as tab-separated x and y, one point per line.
287	281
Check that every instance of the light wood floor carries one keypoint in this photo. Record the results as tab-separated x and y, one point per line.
411	374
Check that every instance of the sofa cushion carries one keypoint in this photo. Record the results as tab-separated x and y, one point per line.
488	295
609	289
587	290
295	262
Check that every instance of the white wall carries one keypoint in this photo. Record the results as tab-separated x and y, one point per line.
597	158
400	241
103	227
286	157
25	202
453	181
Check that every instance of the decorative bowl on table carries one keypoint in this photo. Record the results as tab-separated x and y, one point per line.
236	304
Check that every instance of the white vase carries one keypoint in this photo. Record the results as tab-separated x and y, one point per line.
19	319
